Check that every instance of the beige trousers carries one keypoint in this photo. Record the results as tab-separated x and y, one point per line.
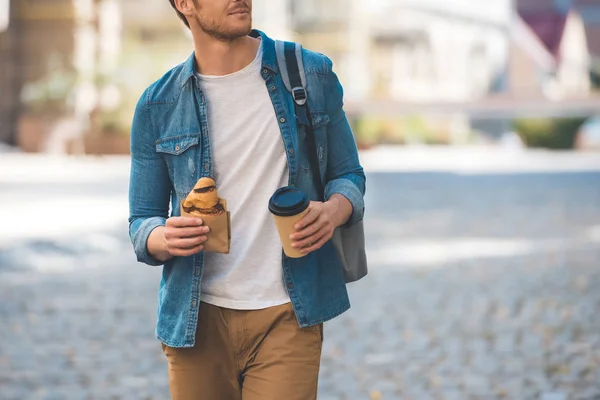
247	355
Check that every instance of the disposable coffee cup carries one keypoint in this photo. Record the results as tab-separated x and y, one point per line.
288	206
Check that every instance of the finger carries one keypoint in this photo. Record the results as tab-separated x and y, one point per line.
316	246
308	231
187	252
179	233
186	243
181	222
310	217
310	240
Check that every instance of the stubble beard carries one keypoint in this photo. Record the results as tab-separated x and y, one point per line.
222	33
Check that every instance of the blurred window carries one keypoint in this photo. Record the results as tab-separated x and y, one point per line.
4	14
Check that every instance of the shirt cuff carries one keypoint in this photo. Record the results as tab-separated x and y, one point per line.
349	190
140	240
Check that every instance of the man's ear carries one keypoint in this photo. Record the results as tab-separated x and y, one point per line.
186	7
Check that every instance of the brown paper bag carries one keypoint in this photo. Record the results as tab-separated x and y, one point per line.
219	237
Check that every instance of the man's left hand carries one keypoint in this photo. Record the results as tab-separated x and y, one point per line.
317	226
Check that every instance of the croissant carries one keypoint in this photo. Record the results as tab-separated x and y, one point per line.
203	199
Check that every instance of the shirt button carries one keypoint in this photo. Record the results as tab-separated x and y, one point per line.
194	304
282	120
273	88
265	71
291	151
177	148
290	286
206	167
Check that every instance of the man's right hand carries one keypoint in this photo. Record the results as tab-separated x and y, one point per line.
180	237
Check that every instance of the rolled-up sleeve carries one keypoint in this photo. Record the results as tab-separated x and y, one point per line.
344	173
149	185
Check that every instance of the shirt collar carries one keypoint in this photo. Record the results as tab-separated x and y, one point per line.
269	59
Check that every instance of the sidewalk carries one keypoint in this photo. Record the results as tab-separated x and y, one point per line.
480	286
476	160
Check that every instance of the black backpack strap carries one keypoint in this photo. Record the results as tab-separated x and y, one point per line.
289	58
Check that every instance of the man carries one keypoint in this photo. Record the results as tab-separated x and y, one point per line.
248	324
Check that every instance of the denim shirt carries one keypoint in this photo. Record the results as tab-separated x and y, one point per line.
170	151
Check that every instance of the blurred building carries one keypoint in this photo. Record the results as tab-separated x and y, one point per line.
4	13
273	17
56	57
403	50
68	67
25	54
590	12
424	51
8	86
550	54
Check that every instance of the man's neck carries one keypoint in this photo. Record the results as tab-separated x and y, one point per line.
217	57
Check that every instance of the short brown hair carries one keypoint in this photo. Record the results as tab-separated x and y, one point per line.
180	15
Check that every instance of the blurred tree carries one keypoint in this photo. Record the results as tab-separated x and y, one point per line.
548	133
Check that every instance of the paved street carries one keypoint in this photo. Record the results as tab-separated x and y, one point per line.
482	286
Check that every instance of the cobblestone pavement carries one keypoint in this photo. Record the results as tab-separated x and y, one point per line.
481	287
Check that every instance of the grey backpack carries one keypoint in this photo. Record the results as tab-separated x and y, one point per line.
348	241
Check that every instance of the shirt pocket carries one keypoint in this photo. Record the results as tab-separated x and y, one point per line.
181	154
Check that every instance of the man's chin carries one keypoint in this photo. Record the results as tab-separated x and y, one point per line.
240	32
231	34
245	30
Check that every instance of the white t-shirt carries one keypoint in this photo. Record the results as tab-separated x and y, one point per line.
249	164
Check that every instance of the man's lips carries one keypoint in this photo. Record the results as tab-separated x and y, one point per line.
240	11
